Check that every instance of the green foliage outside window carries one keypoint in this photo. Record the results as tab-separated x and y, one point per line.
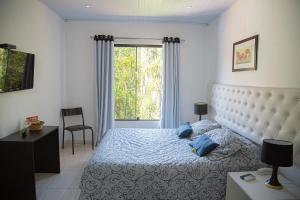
137	83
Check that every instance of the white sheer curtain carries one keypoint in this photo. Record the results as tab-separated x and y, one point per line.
105	82
170	97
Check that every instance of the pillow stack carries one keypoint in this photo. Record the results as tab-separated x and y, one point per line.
202	144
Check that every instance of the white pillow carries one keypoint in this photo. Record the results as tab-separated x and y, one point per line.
229	143
204	126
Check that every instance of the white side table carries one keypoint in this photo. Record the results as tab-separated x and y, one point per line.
238	189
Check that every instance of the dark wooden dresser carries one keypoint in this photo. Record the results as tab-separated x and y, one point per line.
21	157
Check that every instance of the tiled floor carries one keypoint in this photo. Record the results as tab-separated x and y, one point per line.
64	186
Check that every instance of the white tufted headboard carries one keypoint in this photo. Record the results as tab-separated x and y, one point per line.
258	112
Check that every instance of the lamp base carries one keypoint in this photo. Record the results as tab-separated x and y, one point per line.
276	187
273	182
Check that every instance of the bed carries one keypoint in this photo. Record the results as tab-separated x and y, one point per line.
155	164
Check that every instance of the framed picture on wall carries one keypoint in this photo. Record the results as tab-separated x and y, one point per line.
245	54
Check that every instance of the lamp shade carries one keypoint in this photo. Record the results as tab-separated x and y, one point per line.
277	152
200	108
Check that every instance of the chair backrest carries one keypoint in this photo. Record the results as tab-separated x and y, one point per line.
71	112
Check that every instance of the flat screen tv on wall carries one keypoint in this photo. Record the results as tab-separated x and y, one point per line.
16	70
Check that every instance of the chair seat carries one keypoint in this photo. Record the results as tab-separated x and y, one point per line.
77	128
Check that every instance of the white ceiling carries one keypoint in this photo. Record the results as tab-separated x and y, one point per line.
190	11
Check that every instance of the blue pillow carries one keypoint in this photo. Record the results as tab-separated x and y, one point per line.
196	142
185	130
203	145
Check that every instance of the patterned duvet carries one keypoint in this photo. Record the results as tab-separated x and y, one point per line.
155	164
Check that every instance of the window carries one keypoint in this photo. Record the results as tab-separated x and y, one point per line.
137	74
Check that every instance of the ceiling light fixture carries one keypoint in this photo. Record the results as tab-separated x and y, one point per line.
87	6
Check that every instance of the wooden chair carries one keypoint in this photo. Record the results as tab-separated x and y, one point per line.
82	127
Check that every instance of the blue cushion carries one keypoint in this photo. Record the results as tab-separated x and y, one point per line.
185	130
196	142
203	145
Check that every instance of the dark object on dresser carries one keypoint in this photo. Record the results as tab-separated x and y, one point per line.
200	108
21	157
82	127
278	153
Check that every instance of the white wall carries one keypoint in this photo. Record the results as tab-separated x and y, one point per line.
80	62
277	23
34	28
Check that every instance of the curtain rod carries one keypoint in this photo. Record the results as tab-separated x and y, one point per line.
138	38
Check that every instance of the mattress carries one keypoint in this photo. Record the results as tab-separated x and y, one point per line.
155	164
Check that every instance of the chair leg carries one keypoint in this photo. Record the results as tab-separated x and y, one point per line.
92	139
63	139
83	136
72	143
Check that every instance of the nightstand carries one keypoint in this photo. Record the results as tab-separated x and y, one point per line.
238	189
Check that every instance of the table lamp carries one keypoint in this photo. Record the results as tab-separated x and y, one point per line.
278	153
200	108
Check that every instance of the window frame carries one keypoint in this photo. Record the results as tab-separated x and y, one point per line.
146	46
